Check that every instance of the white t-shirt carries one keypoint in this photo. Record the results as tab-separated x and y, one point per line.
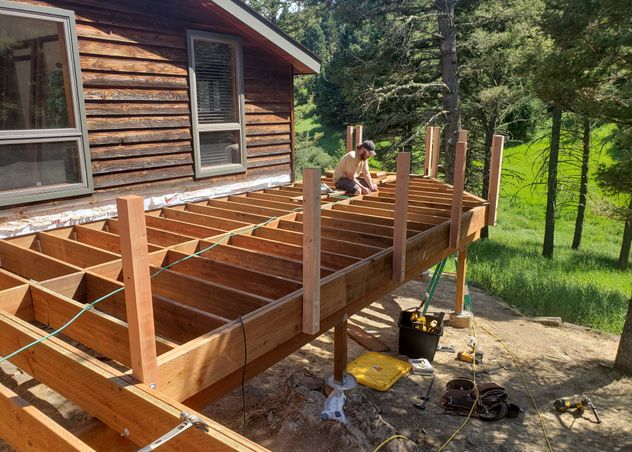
350	163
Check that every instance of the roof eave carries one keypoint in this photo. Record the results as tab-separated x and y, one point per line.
304	61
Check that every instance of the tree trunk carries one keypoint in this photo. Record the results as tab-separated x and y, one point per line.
551	197
583	188
489	136
624	255
623	362
450	77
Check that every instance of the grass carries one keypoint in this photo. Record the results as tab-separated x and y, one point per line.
582	286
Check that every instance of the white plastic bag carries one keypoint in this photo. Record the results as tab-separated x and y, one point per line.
334	407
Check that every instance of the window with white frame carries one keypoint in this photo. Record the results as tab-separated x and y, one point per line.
43	148
215	69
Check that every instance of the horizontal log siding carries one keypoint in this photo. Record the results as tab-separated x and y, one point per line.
136	89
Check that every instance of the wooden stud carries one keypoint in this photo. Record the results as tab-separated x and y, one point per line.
358	134
436	150
428	166
349	138
311	250
340	351
138	299
457	194
495	169
461	270
401	216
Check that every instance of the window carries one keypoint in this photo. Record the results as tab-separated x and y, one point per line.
43	149
215	71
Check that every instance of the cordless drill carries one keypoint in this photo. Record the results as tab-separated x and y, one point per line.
563	405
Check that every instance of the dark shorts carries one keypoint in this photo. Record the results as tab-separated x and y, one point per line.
350	186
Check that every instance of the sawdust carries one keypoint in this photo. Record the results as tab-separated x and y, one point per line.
283	404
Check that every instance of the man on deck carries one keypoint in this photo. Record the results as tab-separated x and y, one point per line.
353	165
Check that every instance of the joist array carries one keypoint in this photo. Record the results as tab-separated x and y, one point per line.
248	273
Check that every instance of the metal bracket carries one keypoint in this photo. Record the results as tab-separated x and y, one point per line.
188	421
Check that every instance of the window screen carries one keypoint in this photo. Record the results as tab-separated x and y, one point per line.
216	97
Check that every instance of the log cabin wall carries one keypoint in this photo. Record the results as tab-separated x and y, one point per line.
133	57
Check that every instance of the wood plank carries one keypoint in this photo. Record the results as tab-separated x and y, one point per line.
138	298
353	236
158	237
457	200
366	340
99	331
349	138
311	250
142	176
118	80
230	275
222	224
153	53
30	264
24	427
135	94
226	212
98	388
182	227
139	150
495	170
428	166
73	252
17	301
358	135
400	216
137	122
105	63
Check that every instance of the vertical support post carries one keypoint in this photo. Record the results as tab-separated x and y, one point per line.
340	351
463	135
401	216
436	150
495	167
138	298
349	138
428	164
460	280
358	132
457	194
311	250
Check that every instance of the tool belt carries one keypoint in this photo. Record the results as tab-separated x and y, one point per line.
492	404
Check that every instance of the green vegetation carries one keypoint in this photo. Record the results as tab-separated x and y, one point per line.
582	286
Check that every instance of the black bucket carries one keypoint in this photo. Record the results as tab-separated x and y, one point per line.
415	343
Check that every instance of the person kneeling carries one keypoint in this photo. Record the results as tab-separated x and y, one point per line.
353	165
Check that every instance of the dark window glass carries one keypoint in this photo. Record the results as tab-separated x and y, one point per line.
38	165
219	148
215	82
34	79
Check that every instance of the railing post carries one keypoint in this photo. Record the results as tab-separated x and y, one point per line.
401	216
138	297
311	250
358	134
495	168
349	138
457	194
428	163
436	150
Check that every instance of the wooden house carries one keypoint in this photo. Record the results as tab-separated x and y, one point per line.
174	100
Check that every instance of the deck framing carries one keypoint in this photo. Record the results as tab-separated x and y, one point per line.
245	275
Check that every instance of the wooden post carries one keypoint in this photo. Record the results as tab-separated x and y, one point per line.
349	138
457	194
436	150
340	351
138	299
401	216
463	135
358	133
495	167
311	250
460	280
428	164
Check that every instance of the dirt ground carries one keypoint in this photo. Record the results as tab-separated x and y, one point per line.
283	404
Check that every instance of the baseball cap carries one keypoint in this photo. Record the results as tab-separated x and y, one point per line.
369	146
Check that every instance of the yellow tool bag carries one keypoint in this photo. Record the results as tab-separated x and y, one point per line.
378	371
